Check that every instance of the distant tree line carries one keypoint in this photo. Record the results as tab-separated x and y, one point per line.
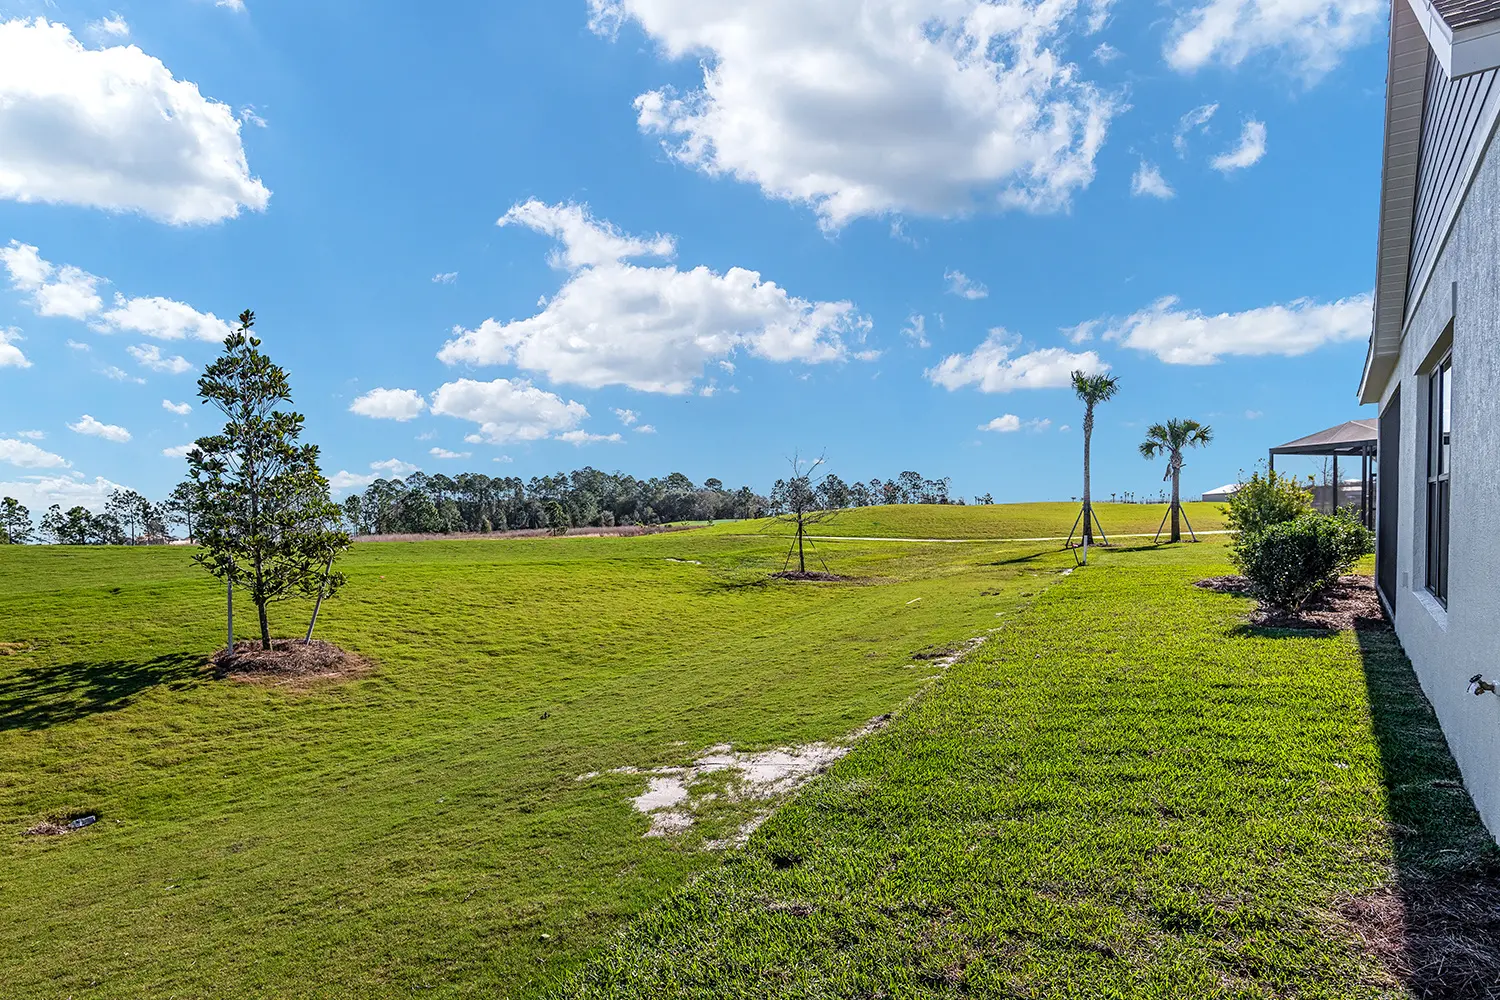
588	497
128	519
476	503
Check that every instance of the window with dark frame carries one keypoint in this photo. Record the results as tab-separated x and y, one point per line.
1439	469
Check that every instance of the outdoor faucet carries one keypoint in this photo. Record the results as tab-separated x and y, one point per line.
1478	686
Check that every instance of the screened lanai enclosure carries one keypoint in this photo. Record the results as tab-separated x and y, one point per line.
1356	443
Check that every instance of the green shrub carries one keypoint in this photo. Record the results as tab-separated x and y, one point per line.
1267	500
1291	562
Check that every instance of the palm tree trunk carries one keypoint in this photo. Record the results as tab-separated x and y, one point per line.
1176	503
1088	499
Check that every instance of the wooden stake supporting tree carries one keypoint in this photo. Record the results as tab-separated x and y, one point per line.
266	523
802	500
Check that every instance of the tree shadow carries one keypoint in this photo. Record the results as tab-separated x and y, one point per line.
1438	927
39	697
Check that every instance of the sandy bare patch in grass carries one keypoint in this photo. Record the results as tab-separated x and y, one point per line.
63	823
14	648
289	662
675	796
1351	604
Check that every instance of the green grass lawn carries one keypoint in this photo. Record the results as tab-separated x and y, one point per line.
419	831
1129	794
1126	793
1029	520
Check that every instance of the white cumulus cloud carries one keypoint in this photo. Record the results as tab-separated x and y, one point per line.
112	128
94	428
178	451
1195	121
1190	337
389	404
649	328
150	356
72	292
871	107
964	287
1148	182
582	437
1011	424
163	319
113	26
54	291
627	417
10	354
29	456
181	409
1247	152
446	455
994	366
1312	35
507	410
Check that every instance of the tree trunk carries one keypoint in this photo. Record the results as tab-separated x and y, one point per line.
230	586
1088	499
801	557
1176	503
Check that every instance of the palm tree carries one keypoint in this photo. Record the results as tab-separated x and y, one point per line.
1170	439
1093	390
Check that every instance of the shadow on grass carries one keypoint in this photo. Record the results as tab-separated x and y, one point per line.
1438	927
38	697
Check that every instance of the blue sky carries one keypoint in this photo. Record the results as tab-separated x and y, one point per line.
884	228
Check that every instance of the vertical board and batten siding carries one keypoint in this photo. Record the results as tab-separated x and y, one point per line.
1451	118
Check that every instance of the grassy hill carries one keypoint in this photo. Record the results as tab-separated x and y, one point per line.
999	521
1127	792
422	830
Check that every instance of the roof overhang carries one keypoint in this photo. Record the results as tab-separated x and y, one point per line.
1406	87
1471	48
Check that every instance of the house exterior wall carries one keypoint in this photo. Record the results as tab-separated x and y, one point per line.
1449	646
1453	115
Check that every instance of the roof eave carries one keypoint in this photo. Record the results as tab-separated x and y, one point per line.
1468	50
1406	88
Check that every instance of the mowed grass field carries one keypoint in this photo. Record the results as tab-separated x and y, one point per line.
998	521
1130	793
1126	792
420	831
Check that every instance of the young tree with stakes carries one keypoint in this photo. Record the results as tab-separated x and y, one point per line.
803	506
1171	439
1092	390
265	521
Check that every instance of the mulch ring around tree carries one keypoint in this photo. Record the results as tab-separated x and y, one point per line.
289	662
1351	604
810	577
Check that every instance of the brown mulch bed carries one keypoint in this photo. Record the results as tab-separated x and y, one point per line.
810	577
289	661
1350	604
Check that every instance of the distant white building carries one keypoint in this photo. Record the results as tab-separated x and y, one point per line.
1222	495
1433	366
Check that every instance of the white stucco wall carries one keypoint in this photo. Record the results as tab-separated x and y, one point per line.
1448	647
